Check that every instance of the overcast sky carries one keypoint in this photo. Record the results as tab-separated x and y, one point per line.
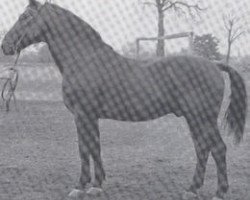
122	21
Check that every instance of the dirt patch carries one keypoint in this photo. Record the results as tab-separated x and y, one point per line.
153	160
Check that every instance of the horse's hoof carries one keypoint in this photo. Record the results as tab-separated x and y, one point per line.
217	198
94	191
187	195
76	193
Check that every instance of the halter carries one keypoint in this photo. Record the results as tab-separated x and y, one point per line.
14	84
23	35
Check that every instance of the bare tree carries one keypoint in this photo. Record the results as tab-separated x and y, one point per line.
234	31
165	5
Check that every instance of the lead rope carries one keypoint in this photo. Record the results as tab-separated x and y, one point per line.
12	86
17	57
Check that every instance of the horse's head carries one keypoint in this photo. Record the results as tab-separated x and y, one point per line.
26	31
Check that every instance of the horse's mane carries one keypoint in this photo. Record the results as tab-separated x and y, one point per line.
84	30
84	25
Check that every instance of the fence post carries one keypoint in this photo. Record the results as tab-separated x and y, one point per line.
137	48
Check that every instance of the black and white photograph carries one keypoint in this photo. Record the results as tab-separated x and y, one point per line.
124	100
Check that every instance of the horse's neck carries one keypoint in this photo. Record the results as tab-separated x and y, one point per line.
55	54
66	54
81	47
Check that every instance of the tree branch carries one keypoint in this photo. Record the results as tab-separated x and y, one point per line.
233	32
147	3
195	6
180	7
236	36
226	24
167	4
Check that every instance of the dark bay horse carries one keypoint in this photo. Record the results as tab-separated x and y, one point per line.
100	83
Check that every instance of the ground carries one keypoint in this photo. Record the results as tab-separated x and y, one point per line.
144	161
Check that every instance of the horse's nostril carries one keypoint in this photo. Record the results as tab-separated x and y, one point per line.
3	47
7	48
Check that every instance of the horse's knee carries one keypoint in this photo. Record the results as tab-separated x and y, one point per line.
219	149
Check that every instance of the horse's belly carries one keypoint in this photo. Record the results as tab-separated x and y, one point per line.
135	110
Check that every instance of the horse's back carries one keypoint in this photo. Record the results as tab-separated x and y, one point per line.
189	84
197	84
177	84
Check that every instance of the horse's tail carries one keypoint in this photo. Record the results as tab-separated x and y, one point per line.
236	112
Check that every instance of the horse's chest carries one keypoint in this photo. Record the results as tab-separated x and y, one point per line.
78	95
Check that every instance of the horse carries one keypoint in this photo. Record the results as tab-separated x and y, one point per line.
99	83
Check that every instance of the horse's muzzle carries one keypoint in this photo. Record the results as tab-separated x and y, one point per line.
8	49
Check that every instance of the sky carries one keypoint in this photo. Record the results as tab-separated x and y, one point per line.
122	21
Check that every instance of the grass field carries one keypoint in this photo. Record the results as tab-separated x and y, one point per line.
144	161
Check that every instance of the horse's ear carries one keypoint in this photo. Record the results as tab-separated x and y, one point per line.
34	4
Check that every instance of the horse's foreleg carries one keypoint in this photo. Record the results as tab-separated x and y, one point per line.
84	141
99	170
95	152
84	151
98	167
89	145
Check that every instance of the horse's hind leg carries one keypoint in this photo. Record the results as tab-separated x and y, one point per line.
199	132
219	154
199	175
206	138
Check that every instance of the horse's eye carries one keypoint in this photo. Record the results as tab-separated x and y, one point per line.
26	15
23	16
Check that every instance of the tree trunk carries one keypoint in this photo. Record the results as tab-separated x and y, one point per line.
229	43
228	52
160	49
